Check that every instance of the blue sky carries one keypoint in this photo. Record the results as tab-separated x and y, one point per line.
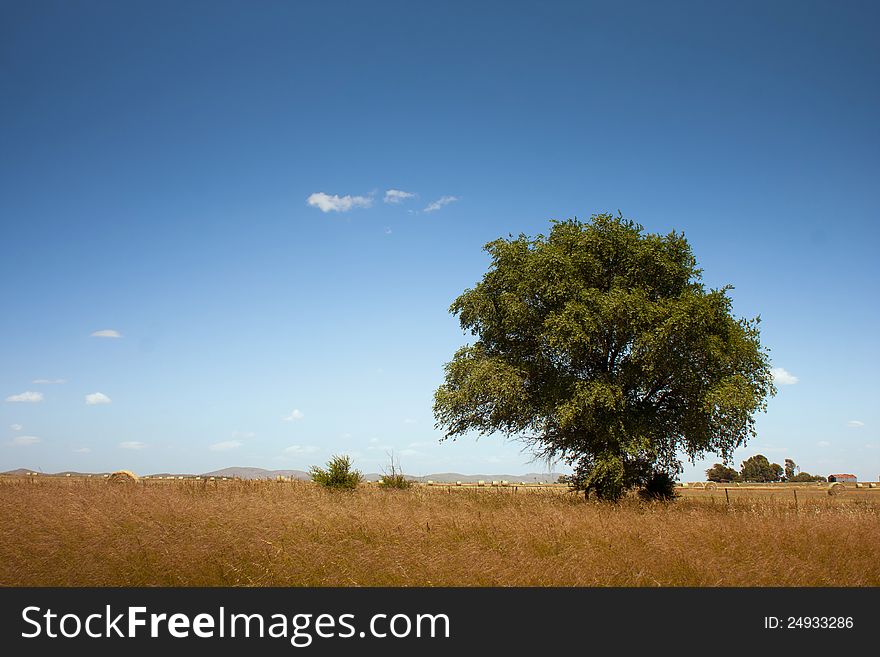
208	180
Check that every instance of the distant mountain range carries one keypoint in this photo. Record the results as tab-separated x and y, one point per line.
261	473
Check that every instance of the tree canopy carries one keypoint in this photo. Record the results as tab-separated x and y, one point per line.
758	468
721	472
599	345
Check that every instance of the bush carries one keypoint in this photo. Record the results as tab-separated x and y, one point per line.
338	474
660	486
393	477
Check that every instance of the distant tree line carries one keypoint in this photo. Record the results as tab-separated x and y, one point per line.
759	469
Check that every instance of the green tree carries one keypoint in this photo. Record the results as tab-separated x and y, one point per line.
791	469
600	346
758	468
806	476
721	472
339	474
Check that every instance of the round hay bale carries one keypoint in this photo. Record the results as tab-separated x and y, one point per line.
123	477
836	488
872	485
697	484
711	485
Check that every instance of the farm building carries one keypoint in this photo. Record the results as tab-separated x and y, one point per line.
842	477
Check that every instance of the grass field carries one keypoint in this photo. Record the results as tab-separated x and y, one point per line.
88	532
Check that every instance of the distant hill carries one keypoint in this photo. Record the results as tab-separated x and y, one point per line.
256	473
452	477
262	473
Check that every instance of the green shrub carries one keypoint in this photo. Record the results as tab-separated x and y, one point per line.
338	475
661	486
394	477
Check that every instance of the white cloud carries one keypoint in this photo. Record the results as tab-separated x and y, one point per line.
395	196
132	444
97	398
783	377
28	396
388	230
82	450
106	333
25	440
440	202
823	443
424	443
334	203
301	449
49	381
225	445
295	415
16	427
855	423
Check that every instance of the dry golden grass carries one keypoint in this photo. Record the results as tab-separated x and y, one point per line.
73	532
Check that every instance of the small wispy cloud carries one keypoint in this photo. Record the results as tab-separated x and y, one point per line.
396	196
50	381
95	398
301	449
855	423
823	443
132	444
783	377
225	445
82	450
388	230
28	397
16	427
106	333
440	202
296	414
24	441
334	203
423	443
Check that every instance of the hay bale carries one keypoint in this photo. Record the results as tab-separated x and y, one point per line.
836	488
872	485
123	476
859	486
711	485
697	484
